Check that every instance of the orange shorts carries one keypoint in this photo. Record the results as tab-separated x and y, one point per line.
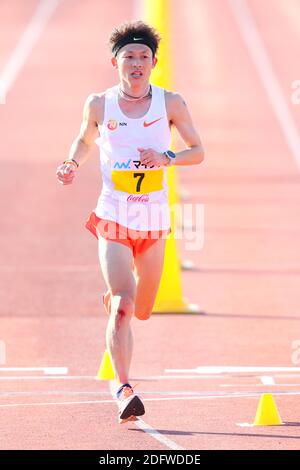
137	240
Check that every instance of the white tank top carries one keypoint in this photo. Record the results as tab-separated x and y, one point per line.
133	194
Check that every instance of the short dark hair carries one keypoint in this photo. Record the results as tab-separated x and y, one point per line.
138	28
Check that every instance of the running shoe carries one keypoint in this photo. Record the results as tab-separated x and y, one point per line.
130	405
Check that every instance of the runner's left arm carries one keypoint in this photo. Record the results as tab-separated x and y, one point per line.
180	117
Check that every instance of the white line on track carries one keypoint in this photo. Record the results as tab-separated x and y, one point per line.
234	369
49	268
141	424
267	380
35	393
165	396
146	379
46	370
49	377
208	397
91	402
259	385
259	56
26	43
287	375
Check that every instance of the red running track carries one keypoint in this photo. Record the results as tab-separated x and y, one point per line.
247	276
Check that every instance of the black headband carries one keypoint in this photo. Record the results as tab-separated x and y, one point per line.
131	39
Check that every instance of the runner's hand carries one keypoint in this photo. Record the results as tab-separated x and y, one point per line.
151	157
65	173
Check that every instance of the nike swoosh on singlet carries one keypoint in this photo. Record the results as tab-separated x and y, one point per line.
147	124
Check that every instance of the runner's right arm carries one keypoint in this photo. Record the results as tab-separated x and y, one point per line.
81	146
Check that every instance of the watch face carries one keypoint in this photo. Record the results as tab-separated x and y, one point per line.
171	154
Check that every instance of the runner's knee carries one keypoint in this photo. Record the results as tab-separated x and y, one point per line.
122	304
143	314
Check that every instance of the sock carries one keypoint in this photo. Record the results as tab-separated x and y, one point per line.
119	391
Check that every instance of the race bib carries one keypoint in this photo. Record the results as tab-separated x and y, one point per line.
136	182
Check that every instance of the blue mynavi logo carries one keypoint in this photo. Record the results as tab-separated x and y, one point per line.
121	165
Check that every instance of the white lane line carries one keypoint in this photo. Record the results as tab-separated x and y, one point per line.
91	377
172	377
259	56
100	393
251	425
212	376
233	369
35	393
146	427
146	379
49	268
287	375
26	43
49	377
258	385
216	395
56	370
267	380
208	397
91	402
157	435
46	370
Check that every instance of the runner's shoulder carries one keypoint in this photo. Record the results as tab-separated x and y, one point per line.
173	98
94	106
174	102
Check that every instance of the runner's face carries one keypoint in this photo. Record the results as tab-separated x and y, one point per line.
134	62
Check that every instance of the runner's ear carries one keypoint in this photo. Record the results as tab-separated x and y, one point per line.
114	62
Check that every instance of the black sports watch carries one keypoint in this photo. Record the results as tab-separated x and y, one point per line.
171	156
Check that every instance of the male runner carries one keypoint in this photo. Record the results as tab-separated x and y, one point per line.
131	123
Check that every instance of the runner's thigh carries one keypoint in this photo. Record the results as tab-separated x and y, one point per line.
116	264
148	270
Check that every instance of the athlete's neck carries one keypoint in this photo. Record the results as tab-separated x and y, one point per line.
135	90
